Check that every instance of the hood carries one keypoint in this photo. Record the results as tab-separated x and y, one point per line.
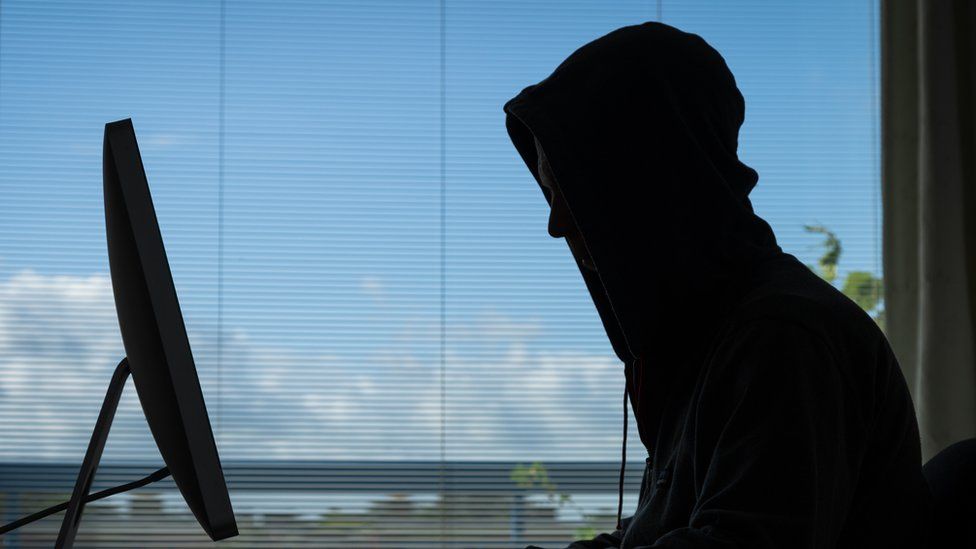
640	128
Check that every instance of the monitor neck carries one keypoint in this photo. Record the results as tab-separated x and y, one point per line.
72	516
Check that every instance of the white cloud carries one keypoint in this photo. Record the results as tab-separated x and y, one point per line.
163	140
373	287
506	398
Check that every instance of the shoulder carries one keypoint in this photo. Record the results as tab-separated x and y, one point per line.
796	330
788	297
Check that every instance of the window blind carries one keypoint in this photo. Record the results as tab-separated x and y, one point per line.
393	351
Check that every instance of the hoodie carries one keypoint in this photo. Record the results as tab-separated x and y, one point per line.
772	409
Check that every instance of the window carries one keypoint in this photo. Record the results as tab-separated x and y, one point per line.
388	340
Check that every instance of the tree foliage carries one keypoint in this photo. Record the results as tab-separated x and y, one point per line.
863	287
535	476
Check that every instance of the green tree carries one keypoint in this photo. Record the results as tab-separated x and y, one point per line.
535	476
827	265
862	287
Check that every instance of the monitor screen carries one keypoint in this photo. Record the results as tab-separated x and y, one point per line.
155	337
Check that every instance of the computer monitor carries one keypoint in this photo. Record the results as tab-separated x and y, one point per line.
157	356
154	336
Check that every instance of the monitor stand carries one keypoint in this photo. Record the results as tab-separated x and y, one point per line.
69	526
80	496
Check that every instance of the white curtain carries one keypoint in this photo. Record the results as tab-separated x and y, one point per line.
929	194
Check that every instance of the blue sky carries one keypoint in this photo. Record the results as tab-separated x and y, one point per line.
332	194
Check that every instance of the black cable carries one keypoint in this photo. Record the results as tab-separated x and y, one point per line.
158	475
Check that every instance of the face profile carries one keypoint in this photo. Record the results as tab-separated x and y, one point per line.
561	222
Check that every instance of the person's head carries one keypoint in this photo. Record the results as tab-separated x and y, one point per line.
561	223
640	167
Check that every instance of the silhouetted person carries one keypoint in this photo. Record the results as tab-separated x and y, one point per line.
772	408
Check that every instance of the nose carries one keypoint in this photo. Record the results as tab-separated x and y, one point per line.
561	222
557	225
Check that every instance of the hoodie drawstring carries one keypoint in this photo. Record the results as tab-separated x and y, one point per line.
623	447
623	466
634	369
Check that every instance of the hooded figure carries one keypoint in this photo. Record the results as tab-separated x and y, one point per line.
773	411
